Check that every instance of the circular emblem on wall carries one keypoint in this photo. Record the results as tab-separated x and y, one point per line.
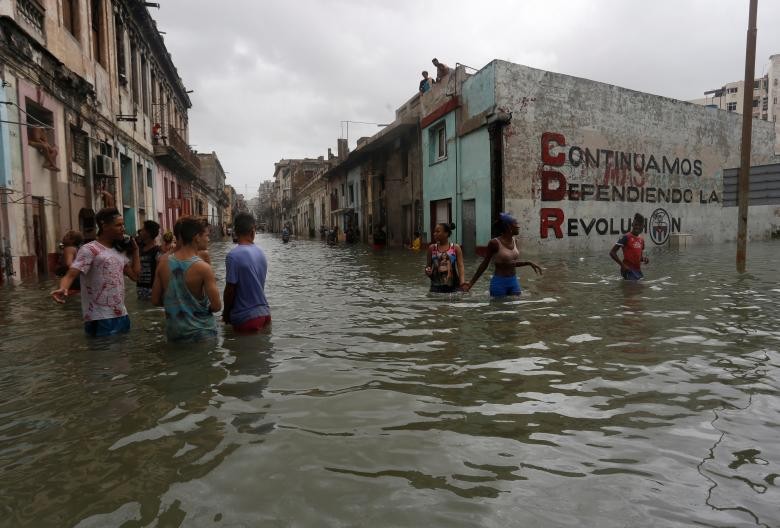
660	225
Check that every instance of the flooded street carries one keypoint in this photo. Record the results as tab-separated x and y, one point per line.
587	402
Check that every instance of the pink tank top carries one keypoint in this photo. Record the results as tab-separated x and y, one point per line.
506	255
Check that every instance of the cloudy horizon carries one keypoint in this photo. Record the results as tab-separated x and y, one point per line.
276	79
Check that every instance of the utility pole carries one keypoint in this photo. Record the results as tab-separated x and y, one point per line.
743	188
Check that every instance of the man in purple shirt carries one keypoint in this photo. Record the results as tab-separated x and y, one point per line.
246	307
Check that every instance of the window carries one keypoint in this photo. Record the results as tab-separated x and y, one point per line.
774	101
32	13
731	107
732	90
70	16
149	181
756	103
145	86
78	140
438	143
351	194
121	61
141	188
39	118
134	78
98	46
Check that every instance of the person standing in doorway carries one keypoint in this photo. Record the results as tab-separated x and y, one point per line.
186	287
246	267
505	255
150	254
101	265
633	247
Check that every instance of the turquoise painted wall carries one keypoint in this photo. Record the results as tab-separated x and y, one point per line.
6	179
474	166
465	173
479	91
439	177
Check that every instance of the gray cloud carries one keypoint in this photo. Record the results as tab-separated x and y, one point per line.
273	79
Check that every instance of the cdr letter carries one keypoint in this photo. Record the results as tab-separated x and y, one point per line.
551	218
559	140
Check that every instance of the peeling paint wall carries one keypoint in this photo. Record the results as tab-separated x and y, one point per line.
581	157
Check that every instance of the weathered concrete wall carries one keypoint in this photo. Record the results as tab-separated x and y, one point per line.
581	157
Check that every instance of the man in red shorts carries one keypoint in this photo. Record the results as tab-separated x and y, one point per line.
246	307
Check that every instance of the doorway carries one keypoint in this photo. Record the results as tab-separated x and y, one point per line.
39	234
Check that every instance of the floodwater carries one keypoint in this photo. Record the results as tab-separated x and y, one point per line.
587	402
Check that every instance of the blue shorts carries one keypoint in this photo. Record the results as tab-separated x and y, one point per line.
633	275
503	286
107	327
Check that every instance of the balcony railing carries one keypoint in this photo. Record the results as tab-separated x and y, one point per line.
33	13
175	150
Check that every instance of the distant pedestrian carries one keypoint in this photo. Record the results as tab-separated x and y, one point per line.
168	242
71	242
101	265
426	83
185	286
150	254
442	70
633	246
246	267
445	261
416	244
504	253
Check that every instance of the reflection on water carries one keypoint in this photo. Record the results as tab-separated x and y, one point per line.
373	403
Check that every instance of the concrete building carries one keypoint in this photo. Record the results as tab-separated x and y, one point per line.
213	178
264	208
379	184
290	176
765	97
574	159
83	84
227	212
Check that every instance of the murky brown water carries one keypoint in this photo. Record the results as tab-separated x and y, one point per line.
588	402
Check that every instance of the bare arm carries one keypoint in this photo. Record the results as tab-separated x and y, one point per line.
210	287
491	250
429	263
158	290
69	255
229	296
133	269
521	263
60	294
614	255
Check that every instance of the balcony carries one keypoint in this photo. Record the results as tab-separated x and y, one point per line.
172	151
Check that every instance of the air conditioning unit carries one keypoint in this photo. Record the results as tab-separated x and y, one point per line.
104	165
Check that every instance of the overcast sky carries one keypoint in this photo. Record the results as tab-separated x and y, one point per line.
274	79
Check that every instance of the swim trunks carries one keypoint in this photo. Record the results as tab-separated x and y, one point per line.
632	275
502	286
253	325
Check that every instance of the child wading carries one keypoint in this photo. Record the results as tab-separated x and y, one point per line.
445	262
633	246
